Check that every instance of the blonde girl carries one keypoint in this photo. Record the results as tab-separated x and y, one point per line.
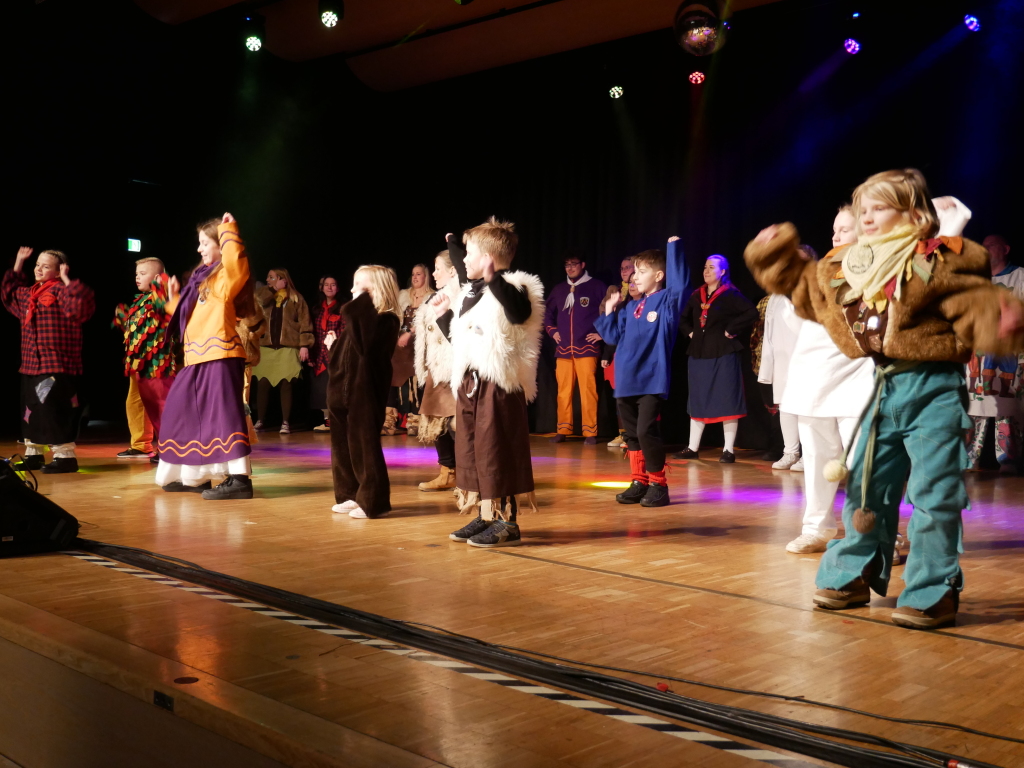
357	393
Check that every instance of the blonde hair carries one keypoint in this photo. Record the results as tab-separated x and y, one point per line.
60	256
907	192
293	295
383	288
151	260
426	275
446	259
497	238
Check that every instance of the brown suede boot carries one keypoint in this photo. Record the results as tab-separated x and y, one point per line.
412	425
390	422
853	594
942	614
443	482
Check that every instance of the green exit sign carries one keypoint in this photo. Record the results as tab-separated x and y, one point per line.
134	245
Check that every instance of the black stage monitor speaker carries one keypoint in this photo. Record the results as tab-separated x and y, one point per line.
30	522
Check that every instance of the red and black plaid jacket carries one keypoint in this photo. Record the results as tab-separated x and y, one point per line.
52	341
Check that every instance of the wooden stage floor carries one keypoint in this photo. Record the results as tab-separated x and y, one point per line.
700	589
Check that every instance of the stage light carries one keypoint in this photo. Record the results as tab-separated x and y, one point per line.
611	484
697	78
699	28
135	246
972	23
616	92
331	12
856	15
252	32
851	46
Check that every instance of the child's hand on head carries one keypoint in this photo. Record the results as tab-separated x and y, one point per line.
173	288
767	234
64	270
487	267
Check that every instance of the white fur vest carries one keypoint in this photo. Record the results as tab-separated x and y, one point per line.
485	341
433	350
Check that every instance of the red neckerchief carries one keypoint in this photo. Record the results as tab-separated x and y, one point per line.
640	307
35	294
705	304
324	315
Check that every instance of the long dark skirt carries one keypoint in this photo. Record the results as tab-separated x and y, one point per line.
49	408
204	417
716	389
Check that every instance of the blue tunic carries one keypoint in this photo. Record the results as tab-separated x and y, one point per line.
643	356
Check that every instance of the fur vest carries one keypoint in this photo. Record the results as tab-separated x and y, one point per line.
949	308
485	341
433	349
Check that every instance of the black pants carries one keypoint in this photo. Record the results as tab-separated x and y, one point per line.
445	445
50	409
639	416
357	459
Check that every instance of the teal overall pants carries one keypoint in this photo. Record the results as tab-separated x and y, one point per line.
921	427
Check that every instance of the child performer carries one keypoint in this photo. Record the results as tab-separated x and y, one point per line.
917	302
572	308
357	393
645	333
51	313
434	370
327	323
148	356
205	434
496	325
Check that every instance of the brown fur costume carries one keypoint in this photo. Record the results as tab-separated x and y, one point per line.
943	318
357	395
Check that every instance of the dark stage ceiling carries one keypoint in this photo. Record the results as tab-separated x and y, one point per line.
393	44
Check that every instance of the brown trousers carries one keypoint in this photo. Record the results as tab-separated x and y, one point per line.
492	442
357	459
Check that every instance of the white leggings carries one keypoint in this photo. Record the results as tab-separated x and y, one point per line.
730	428
823	439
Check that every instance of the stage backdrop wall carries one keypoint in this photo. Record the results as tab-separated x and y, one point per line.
129	128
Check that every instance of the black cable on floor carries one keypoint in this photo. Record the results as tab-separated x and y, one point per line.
780	732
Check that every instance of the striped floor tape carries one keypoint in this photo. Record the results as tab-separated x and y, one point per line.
739	749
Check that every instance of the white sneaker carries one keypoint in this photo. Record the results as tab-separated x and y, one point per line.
359	514
798	466
787	461
806	543
345	506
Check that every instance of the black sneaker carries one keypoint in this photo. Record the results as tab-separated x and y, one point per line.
687	454
633	494
60	466
132	453
727	457
656	496
30	463
497	534
154	459
471	529
179	487
235	487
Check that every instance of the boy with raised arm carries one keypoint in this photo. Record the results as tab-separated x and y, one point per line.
644	331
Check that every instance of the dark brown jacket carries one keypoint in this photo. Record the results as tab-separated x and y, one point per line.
296	323
944	318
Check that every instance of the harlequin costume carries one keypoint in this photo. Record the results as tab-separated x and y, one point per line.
917	308
644	331
495	331
572	309
357	395
204	431
51	316
148	350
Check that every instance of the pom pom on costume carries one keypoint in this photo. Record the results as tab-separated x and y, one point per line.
835	471
864	520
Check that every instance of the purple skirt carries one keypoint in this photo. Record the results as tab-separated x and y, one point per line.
204	417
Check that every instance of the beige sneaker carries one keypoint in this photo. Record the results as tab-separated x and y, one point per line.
787	461
617	442
445	481
806	543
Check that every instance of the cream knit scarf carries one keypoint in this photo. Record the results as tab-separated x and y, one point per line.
874	260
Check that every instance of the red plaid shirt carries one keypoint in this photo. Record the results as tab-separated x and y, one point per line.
51	342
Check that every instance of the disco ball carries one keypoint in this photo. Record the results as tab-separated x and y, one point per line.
616	92
329	18
253	43
699	28
972	23
852	46
697	78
